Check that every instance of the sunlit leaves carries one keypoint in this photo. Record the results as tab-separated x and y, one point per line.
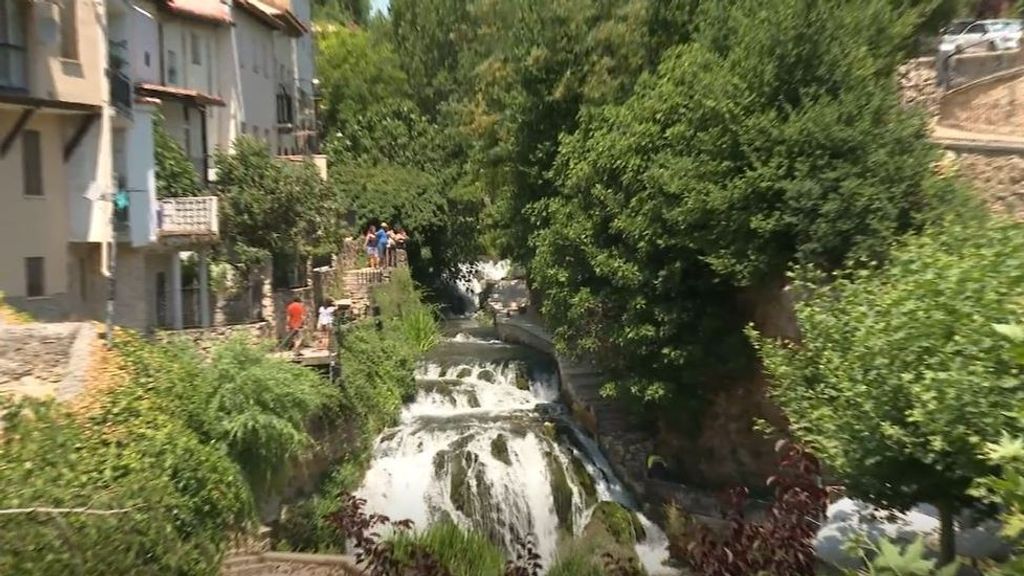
900	381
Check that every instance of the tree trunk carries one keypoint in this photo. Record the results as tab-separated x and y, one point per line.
947	536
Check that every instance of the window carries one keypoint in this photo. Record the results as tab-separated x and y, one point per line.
197	56
172	67
243	128
69	30
255	58
266	69
31	163
145	58
35	285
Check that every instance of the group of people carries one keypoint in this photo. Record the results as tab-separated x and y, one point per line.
325	320
382	245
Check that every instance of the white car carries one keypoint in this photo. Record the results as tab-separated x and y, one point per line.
989	35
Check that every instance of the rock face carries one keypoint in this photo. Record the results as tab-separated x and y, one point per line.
614	531
996	177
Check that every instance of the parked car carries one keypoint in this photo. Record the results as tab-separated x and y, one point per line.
990	35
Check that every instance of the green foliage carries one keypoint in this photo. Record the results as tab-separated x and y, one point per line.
462	552
249	410
1006	487
577	560
357	11
402	303
358	73
900	380
737	158
271	206
887	559
175	174
169	447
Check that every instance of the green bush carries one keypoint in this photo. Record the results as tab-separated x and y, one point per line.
179	450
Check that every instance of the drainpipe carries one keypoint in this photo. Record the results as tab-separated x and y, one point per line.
160	50
206	156
111	268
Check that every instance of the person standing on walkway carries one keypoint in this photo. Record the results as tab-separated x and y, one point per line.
296	319
382	245
371	245
325	322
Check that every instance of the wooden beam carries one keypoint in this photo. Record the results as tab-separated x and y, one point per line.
26	115
83	126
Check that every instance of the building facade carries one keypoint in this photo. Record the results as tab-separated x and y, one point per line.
83	88
55	147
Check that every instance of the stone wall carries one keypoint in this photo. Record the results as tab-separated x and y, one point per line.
989	106
206	338
998	177
45	359
919	84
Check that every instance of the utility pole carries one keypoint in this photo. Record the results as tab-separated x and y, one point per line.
118	201
112	268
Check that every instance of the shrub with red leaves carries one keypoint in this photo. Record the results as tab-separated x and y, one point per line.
781	544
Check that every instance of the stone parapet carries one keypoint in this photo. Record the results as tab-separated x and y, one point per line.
290	564
205	338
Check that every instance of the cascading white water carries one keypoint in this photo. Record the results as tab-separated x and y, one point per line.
487	445
473	278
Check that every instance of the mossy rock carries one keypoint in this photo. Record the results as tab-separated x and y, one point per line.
584	480
464	372
522	376
613	530
499	449
460	488
620	523
561	491
473	399
486	375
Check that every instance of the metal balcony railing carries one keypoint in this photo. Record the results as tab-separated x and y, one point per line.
120	90
12	67
189	216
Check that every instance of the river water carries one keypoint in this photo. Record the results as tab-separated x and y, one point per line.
488	444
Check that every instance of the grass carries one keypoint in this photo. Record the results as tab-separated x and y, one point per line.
8	315
462	552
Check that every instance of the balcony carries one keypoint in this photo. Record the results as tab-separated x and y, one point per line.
12	67
189	220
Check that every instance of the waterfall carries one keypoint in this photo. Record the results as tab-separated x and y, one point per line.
473	278
487	444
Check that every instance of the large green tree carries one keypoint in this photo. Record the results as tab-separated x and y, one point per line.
774	137
899	379
274	207
358	72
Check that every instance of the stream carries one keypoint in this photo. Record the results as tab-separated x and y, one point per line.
488	444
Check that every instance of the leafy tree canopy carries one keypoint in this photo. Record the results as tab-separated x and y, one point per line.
358	72
175	174
271	206
900	380
740	156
